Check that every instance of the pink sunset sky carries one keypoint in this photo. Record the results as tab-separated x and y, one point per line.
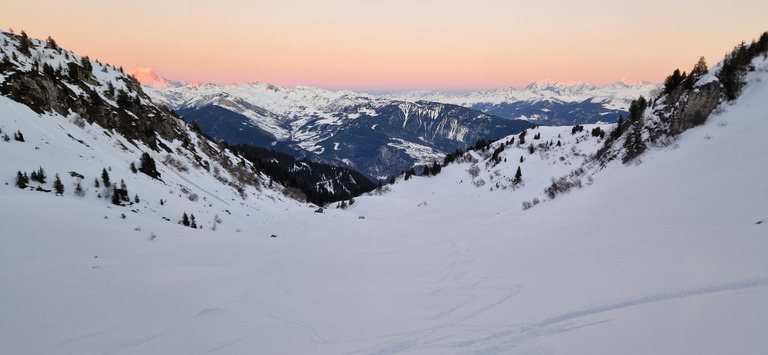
395	44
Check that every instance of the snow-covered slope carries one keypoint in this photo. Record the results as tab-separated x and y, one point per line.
664	256
195	176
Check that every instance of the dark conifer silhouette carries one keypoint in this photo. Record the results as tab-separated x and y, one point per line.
148	166
104	177
58	186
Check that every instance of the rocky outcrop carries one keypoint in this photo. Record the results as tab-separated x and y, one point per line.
691	107
56	93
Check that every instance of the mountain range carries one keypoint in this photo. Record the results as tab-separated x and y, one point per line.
382	134
377	136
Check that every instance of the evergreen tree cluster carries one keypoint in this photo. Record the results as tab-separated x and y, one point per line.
481	145
188	221
18	136
597	132
120	194
451	157
674	80
737	63
634	144
147	166
434	169
307	176
22	180
577	128
409	173
38	175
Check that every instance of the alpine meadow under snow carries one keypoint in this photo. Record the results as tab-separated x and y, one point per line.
663	255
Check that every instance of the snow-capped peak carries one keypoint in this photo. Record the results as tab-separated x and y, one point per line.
148	77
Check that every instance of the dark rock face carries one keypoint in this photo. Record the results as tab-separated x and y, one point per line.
692	107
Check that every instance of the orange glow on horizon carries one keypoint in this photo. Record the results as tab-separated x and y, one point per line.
396	45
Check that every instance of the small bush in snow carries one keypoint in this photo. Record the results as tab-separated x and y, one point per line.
79	192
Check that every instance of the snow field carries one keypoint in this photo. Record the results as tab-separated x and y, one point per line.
664	256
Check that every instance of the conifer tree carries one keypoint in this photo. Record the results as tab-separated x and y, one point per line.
671	82
115	196
104	177
58	186
148	166
700	68
518	176
425	171
51	43
21	180
185	220
192	223
24	43
39	175
436	168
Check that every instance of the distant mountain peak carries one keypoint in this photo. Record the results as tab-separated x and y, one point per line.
629	81
549	81
148	77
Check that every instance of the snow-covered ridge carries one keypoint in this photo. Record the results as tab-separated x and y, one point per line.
615	96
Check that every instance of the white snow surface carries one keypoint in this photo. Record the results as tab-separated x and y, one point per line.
665	256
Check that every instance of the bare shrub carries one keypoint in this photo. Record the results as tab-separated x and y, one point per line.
474	171
171	161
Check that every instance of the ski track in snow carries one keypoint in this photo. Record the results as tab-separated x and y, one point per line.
514	335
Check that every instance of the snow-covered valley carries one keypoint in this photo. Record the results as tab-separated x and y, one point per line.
665	255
